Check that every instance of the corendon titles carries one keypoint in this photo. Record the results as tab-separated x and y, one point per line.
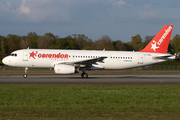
47	55
167	31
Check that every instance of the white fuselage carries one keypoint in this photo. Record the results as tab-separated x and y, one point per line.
40	58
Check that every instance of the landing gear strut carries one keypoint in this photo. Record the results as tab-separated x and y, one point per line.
25	75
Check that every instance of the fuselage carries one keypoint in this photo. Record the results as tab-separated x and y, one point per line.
47	58
73	61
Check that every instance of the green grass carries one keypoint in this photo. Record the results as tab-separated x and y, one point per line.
79	102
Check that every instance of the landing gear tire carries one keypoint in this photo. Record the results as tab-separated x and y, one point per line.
84	75
25	75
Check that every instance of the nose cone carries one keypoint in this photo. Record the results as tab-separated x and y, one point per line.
6	61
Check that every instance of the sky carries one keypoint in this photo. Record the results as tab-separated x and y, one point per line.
119	19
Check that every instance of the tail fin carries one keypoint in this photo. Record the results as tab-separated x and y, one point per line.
159	44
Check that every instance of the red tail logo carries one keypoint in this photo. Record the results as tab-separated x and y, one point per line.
153	46
159	44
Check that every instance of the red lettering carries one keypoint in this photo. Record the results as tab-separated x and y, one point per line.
43	55
62	55
66	56
46	55
58	55
50	55
54	55
39	55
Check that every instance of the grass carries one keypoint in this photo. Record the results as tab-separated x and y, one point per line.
79	102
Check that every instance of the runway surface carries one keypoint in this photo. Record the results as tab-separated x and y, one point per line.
93	79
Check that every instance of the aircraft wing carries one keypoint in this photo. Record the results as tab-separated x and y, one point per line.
85	62
88	61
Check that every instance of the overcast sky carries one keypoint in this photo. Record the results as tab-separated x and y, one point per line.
119	19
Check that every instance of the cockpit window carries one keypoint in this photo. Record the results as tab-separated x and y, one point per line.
13	54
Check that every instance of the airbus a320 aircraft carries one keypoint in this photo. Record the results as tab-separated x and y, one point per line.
73	61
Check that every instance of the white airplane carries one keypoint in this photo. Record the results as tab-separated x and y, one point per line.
73	61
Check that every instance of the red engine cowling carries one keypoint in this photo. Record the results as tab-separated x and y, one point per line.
64	69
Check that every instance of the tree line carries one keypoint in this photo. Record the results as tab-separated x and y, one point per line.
12	42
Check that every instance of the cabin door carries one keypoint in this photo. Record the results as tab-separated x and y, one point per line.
140	58
25	55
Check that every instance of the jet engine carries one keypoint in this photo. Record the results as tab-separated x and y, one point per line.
65	69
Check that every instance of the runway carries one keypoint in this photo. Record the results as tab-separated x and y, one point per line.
93	79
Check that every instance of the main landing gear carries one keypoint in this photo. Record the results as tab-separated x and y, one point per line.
25	75
84	75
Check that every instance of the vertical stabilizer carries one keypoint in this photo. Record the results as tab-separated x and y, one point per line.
159	44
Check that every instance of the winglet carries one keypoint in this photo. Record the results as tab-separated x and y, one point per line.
159	44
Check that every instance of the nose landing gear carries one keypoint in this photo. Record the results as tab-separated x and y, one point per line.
25	75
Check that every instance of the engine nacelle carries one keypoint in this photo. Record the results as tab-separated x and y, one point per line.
65	69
